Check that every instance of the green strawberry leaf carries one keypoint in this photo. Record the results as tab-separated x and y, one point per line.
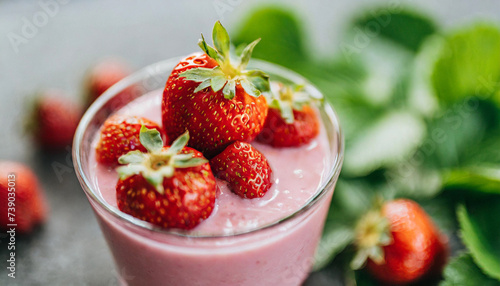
211	52
468	64
394	23
246	54
477	179
249	87
221	39
179	144
462	271
480	231
229	90
151	139
350	201
388	140
132	157
281	34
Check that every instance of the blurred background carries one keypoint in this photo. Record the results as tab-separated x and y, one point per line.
416	85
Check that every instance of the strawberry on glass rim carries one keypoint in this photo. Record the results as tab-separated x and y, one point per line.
214	97
291	120
171	187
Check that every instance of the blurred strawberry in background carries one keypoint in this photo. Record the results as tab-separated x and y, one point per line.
52	120
22	202
102	76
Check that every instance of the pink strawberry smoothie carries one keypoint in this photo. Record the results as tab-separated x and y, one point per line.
277	255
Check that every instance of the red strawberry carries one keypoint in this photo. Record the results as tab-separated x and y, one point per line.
290	121
53	120
216	101
401	243
172	187
245	169
119	135
19	187
102	76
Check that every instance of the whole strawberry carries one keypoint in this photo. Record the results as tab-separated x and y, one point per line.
102	76
216	100
172	187
120	135
400	243
291	121
244	168
53	120
22	203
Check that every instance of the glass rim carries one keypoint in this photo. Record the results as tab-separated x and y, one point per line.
168	64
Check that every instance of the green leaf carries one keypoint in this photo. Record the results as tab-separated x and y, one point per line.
193	162
468	64
259	79
211	52
246	54
249	88
200	74
203	85
350	201
218	82
387	141
132	157
130	170
151	139
331	244
229	90
477	179
286	112
179	143
281	34
221	39
394	24
462	271
479	225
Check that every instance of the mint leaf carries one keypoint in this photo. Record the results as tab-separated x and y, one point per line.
395	24
468	64
462	271
479	226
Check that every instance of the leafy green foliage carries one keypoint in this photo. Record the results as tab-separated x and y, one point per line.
468	64
462	271
393	23
479	223
389	140
420	113
281	33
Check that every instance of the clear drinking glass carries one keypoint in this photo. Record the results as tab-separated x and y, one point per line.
279	253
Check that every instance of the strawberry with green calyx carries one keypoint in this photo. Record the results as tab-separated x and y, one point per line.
171	187
399	243
119	135
246	170
291	120
214	97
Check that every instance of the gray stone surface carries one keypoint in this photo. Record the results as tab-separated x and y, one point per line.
69	249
